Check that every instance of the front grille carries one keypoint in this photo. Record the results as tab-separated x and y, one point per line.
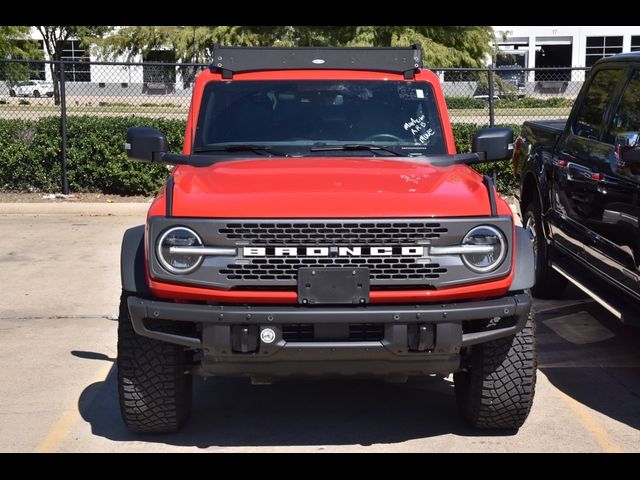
346	233
380	268
366	332
358	332
271	269
297	332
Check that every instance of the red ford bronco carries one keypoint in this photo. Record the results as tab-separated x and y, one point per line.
319	222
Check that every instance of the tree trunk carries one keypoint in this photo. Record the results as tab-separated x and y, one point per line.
55	78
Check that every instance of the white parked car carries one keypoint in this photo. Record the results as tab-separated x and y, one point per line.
32	88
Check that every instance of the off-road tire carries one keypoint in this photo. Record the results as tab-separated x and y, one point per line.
497	388
549	283
153	386
36	94
12	93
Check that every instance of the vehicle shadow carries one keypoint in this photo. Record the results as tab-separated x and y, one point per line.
583	351
232	412
587	353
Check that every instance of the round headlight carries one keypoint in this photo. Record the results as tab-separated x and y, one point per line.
492	255
179	263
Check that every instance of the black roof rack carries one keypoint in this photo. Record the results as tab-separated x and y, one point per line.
230	60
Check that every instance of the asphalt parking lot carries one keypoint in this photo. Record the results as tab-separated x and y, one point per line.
61	283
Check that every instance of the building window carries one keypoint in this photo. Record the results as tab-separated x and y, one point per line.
80	69
159	79
600	47
635	43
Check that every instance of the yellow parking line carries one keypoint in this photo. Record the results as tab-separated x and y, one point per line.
588	421
68	419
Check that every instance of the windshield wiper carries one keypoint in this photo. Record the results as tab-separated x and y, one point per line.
356	147
243	148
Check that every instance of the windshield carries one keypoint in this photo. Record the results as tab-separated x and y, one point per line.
296	115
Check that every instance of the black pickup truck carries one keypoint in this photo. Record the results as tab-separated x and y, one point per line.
580	186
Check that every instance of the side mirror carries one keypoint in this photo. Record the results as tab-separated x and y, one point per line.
146	145
628	147
493	144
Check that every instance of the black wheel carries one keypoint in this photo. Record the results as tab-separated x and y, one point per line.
549	283
12	93
497	388
153	384
36	94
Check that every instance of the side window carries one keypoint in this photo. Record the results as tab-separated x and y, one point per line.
627	115
588	122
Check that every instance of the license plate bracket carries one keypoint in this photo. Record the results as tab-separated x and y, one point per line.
333	286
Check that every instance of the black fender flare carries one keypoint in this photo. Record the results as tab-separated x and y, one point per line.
538	165
132	268
536	169
524	275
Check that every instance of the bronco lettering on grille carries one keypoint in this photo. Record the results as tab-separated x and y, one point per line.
333	251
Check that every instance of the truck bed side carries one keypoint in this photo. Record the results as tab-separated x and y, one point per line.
537	141
543	132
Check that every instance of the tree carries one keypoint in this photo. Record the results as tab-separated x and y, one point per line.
442	46
190	44
16	44
13	42
54	38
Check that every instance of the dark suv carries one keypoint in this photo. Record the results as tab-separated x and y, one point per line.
580	193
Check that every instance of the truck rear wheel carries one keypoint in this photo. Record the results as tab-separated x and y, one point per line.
153	384
497	388
549	283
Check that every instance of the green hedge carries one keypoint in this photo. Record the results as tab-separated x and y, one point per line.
466	103
505	181
533	102
29	155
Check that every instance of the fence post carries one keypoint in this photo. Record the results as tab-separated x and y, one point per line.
63	130
491	91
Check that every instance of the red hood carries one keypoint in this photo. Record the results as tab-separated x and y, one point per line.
328	188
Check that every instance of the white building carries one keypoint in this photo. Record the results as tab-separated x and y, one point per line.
577	46
108	79
524	46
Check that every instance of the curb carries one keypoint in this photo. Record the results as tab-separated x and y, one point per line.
104	209
88	209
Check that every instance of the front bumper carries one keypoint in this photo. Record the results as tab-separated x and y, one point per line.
417	339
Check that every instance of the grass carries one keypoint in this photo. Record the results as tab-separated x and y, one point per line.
456	115
101	107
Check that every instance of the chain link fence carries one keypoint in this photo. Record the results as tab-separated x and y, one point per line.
31	90
510	95
42	91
